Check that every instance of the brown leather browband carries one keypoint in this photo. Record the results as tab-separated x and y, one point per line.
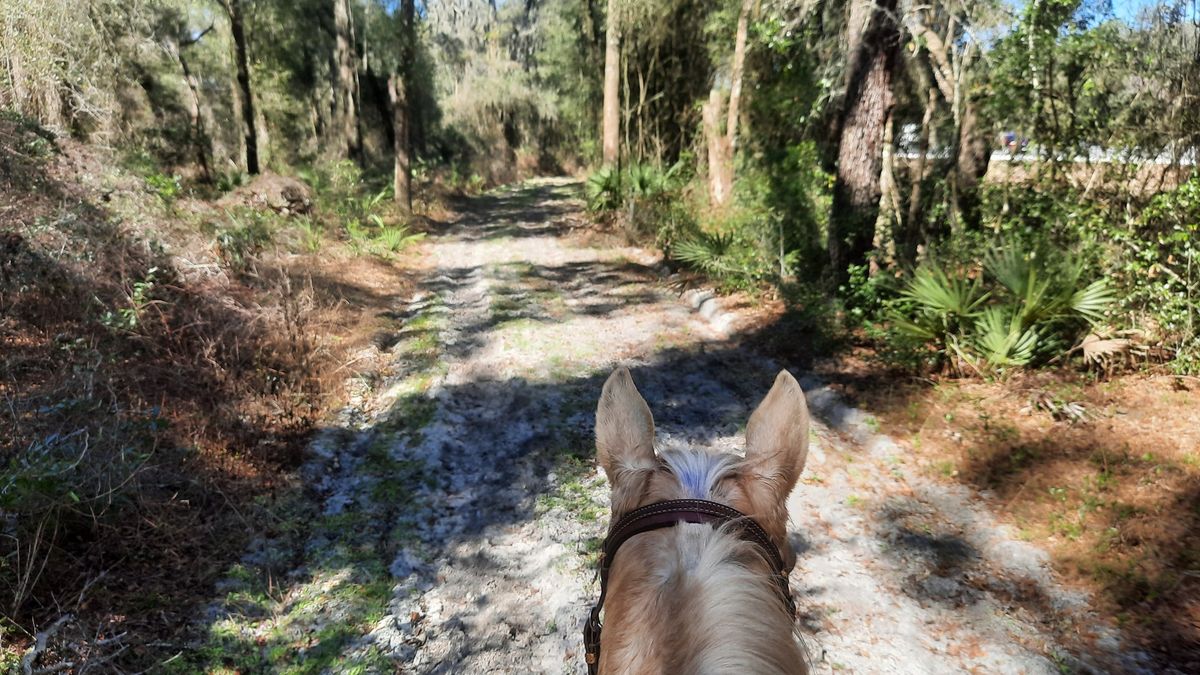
669	514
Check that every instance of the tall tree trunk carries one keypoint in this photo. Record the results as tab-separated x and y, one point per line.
234	9
402	174
721	147
399	85
612	85
950	69
971	164
201	142
347	142
739	67
720	176
874	57
906	244
200	139
380	95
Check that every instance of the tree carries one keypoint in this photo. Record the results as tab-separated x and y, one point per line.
871	66
612	84
721	146
951	61
234	9
347	136
175	42
399	84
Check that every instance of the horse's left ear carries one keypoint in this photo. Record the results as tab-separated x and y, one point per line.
777	436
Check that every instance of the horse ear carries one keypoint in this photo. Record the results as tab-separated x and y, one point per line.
777	436
624	428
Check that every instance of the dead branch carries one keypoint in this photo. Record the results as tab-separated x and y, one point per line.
39	645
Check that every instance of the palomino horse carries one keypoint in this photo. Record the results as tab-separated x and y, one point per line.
700	581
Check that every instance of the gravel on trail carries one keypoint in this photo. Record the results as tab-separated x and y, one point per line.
467	462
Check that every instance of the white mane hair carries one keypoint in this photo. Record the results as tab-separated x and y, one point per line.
698	471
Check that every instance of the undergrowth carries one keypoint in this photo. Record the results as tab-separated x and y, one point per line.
161	371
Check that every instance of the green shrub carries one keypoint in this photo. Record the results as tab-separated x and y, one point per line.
358	237
729	257
312	235
1018	308
603	190
1156	267
239	243
393	239
167	188
231	180
139	296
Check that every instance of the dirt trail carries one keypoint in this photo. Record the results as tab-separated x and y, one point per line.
460	486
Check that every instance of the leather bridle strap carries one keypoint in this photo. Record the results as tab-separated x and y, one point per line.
668	514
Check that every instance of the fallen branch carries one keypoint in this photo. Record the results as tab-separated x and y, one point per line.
39	644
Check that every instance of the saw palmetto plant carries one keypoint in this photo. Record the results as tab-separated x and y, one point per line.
1029	306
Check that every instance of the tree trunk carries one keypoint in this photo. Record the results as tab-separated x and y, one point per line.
721	145
970	165
199	136
612	84
906	245
720	177
874	58
234	9
398	95
345	91
380	95
735	87
970	152
402	176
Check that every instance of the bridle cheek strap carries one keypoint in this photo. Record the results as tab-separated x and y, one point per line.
668	514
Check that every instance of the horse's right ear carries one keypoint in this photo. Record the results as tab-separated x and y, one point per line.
624	428
777	437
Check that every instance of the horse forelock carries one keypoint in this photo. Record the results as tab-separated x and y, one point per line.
698	472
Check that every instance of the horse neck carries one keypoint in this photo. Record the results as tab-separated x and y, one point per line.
696	600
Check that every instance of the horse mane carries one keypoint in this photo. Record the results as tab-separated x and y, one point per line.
694	599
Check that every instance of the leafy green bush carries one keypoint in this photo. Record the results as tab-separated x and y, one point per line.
312	235
231	180
729	254
609	189
167	188
603	189
139	297
1156	266
358	237
1018	308
238	244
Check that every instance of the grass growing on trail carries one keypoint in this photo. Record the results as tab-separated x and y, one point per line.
574	491
523	295
319	622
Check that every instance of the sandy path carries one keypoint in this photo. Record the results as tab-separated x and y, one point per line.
492	529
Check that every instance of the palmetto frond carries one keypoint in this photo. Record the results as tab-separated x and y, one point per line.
935	291
1001	340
